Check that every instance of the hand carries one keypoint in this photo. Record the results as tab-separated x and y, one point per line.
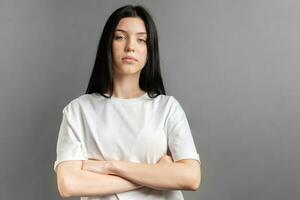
165	159
98	166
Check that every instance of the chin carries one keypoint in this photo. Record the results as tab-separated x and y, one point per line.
129	69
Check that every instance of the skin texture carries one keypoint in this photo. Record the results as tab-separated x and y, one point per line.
75	180
78	178
106	167
146	174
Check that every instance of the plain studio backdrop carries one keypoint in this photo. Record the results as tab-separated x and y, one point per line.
232	64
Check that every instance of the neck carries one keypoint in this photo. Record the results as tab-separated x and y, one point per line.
127	86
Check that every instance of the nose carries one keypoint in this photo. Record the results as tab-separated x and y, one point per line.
130	45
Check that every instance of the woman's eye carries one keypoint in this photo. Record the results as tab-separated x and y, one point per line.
142	40
119	37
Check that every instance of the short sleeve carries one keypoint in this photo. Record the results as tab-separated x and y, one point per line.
180	140
69	142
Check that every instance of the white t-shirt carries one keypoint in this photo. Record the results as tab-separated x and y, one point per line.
137	130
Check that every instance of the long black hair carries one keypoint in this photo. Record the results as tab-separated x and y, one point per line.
101	80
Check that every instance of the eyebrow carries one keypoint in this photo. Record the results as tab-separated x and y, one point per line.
139	33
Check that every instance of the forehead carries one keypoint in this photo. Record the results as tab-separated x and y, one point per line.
132	25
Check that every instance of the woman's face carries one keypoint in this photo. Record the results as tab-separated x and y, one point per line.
130	40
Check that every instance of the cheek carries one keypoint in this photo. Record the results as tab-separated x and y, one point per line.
144	54
115	50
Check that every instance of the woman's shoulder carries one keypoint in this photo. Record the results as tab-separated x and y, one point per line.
80	101
168	100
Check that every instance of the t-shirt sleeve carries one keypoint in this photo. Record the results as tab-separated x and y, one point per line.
180	139
69	142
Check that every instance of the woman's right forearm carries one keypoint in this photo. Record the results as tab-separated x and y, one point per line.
85	183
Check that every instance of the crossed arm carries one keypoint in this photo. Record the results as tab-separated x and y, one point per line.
100	178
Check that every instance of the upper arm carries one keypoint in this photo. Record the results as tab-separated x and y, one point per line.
191	163
180	139
70	151
65	171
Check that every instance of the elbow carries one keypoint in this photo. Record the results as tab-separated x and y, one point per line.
68	179
192	175
64	187
195	185
191	184
195	182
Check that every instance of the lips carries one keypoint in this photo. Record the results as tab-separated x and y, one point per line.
129	58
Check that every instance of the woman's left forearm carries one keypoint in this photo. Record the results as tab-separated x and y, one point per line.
159	176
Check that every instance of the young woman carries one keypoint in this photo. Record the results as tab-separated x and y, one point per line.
125	138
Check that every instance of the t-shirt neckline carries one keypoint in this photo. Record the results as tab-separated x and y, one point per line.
139	98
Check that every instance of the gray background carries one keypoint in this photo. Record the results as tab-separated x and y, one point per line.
232	64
